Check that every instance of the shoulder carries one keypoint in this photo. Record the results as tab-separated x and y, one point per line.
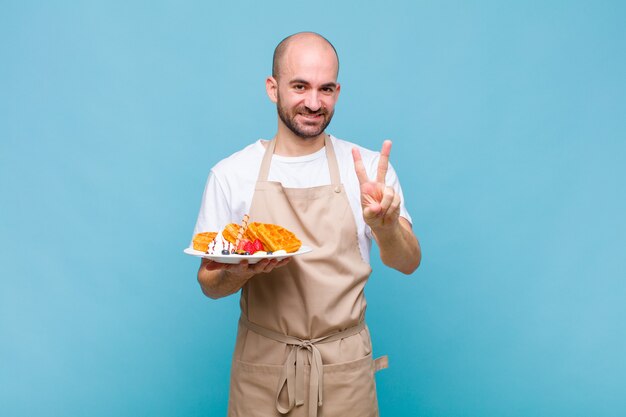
343	149
242	162
345	146
370	158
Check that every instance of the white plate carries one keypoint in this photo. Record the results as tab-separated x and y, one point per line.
252	259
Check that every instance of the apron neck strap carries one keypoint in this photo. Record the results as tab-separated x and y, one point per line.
333	166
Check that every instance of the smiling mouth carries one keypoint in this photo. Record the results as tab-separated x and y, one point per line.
313	116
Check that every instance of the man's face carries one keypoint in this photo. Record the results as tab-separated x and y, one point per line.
306	91
305	121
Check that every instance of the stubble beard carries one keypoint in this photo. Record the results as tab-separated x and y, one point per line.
298	129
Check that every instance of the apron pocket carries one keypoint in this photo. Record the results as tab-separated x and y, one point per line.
350	389
253	390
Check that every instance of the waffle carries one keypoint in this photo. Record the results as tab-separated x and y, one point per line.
201	241
230	233
272	236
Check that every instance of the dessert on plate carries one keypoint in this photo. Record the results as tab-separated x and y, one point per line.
248	239
201	241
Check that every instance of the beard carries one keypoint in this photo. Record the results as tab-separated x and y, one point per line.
304	130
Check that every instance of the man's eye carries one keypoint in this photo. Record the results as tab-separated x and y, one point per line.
328	89
298	87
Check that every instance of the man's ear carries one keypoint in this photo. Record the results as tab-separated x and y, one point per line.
271	87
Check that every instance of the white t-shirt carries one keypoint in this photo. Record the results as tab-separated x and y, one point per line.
230	186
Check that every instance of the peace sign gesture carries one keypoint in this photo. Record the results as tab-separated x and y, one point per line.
380	203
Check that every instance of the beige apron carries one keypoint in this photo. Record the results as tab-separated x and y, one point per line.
302	347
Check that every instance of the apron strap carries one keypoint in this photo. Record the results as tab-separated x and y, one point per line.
382	362
333	166
267	160
292	376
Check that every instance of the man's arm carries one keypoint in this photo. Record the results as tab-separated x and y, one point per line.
399	248
218	280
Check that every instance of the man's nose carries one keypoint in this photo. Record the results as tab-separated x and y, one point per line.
312	101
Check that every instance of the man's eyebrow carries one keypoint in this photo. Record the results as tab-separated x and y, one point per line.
298	81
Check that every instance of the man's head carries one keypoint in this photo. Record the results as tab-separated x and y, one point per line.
304	83
281	48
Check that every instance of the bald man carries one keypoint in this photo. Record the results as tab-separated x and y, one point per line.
303	347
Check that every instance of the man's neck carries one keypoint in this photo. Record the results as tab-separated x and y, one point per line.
289	144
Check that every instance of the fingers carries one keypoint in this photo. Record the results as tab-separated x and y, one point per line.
393	211
275	263
259	267
383	162
267	265
210	265
384	212
387	200
242	268
264	265
370	213
283	262
390	204
359	168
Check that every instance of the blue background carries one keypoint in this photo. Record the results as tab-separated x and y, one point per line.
509	138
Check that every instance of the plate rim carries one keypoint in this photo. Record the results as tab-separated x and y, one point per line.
190	251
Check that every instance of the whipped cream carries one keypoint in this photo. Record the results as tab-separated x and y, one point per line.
218	245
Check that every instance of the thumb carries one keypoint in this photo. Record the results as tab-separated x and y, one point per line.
371	211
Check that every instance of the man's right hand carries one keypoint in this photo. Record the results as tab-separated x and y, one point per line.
219	280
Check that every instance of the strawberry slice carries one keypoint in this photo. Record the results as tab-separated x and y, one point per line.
249	247
241	247
258	246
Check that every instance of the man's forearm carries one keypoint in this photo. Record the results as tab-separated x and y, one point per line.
399	248
218	280
220	283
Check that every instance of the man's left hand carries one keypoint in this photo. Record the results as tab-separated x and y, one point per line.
380	203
